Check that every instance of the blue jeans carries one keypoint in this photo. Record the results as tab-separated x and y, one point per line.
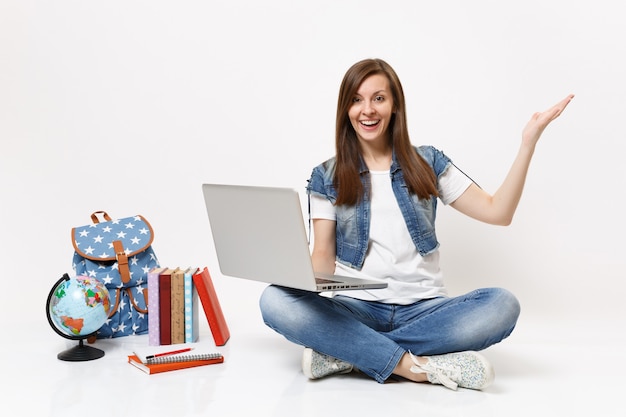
373	336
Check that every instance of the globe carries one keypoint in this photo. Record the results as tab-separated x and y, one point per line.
76	308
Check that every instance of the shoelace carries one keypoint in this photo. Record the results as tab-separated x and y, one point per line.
444	375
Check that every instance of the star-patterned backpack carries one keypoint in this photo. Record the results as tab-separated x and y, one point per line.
118	253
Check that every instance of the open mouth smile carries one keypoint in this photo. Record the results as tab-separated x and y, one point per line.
369	123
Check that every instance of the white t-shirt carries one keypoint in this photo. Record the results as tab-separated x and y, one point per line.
391	254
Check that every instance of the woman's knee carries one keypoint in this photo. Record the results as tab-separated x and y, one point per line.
502	314
508	304
270	302
283	307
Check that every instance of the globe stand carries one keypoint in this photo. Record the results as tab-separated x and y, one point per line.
80	353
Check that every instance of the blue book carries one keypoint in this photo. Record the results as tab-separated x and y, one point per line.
191	307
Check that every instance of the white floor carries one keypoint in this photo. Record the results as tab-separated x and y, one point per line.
545	368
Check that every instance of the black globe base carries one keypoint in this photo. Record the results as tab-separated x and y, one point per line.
81	353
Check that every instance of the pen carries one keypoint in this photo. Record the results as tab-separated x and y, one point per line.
174	352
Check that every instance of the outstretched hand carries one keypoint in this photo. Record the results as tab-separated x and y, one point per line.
540	120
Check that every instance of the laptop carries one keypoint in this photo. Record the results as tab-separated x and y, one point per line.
259	234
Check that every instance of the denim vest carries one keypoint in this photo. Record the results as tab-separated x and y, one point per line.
353	222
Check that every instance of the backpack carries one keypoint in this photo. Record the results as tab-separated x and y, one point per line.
119	254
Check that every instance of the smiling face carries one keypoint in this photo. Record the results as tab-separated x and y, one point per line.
372	109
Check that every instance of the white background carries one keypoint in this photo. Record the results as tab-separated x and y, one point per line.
129	106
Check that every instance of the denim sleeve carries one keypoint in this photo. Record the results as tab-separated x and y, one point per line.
321	181
435	158
316	182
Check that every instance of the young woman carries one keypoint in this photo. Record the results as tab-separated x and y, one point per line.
373	209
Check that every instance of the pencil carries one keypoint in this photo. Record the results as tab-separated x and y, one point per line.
174	352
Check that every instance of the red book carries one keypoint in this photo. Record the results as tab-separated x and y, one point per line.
178	306
171	366
211	306
165	306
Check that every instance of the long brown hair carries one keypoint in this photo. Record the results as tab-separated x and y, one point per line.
418	175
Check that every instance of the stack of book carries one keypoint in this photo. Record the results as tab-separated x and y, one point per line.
174	299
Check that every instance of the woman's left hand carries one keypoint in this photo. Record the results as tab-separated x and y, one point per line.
540	120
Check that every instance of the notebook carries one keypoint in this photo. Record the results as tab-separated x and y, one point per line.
157	359
157	368
259	234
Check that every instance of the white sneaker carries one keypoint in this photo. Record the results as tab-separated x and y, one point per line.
317	365
462	369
